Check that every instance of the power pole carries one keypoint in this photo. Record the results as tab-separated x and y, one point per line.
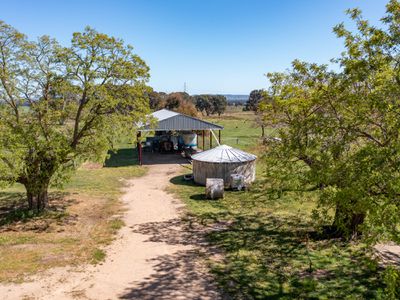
184	87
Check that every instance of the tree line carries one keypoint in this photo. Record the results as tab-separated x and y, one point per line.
182	102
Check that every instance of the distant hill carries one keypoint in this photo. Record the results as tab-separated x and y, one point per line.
234	99
237	99
231	97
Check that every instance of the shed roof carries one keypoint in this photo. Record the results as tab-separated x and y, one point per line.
169	120
224	154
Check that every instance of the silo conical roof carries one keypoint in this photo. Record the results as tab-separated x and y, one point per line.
224	154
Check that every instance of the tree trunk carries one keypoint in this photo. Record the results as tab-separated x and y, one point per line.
37	198
347	223
41	167
262	130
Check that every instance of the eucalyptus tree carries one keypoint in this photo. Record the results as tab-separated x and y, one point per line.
218	103
339	131
210	104
255	97
203	104
62	105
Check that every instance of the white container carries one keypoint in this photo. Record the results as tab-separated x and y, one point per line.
214	188
237	182
189	139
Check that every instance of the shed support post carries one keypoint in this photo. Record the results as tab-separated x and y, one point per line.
211	139
139	147
219	137
203	136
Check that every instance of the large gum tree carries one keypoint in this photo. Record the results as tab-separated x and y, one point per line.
60	106
339	131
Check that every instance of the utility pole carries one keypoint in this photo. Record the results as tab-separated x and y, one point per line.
184	87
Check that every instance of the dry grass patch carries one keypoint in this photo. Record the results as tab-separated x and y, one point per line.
70	240
80	221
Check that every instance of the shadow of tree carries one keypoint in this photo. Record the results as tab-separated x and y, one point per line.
121	158
180	275
175	277
125	157
173	232
270	257
156	158
14	208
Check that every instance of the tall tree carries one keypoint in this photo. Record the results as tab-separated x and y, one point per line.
181	102
218	104
210	104
339	132
203	104
255	98
81	99
157	99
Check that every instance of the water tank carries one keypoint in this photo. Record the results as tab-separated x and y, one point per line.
222	162
189	139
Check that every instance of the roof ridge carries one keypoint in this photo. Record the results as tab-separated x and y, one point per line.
224	155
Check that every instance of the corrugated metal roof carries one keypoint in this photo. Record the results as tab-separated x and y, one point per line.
163	114
170	120
224	154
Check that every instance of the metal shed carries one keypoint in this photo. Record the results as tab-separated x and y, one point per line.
222	162
170	120
166	120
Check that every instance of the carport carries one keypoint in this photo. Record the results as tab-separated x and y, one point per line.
168	121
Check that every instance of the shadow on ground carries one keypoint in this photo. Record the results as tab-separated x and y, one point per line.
272	257
172	275
121	158
150	158
14	209
180	275
129	157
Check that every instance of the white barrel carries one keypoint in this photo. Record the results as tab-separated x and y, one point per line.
189	139
214	188
237	182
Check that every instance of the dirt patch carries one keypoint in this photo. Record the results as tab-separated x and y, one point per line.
67	234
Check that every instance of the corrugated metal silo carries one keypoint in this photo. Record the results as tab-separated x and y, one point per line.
222	162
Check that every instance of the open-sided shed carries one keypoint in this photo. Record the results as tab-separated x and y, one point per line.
166	120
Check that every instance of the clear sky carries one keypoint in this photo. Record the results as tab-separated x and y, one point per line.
215	46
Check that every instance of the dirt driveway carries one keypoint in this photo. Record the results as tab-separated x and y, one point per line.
154	257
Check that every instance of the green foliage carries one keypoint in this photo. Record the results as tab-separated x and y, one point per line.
339	131
211	104
255	97
392	281
98	256
81	99
156	100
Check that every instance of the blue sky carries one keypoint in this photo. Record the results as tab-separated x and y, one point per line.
215	46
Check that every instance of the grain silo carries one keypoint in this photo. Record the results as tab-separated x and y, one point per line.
222	162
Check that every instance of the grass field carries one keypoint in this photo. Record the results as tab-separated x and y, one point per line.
270	247
83	217
240	130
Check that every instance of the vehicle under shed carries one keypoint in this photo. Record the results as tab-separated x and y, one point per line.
175	133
